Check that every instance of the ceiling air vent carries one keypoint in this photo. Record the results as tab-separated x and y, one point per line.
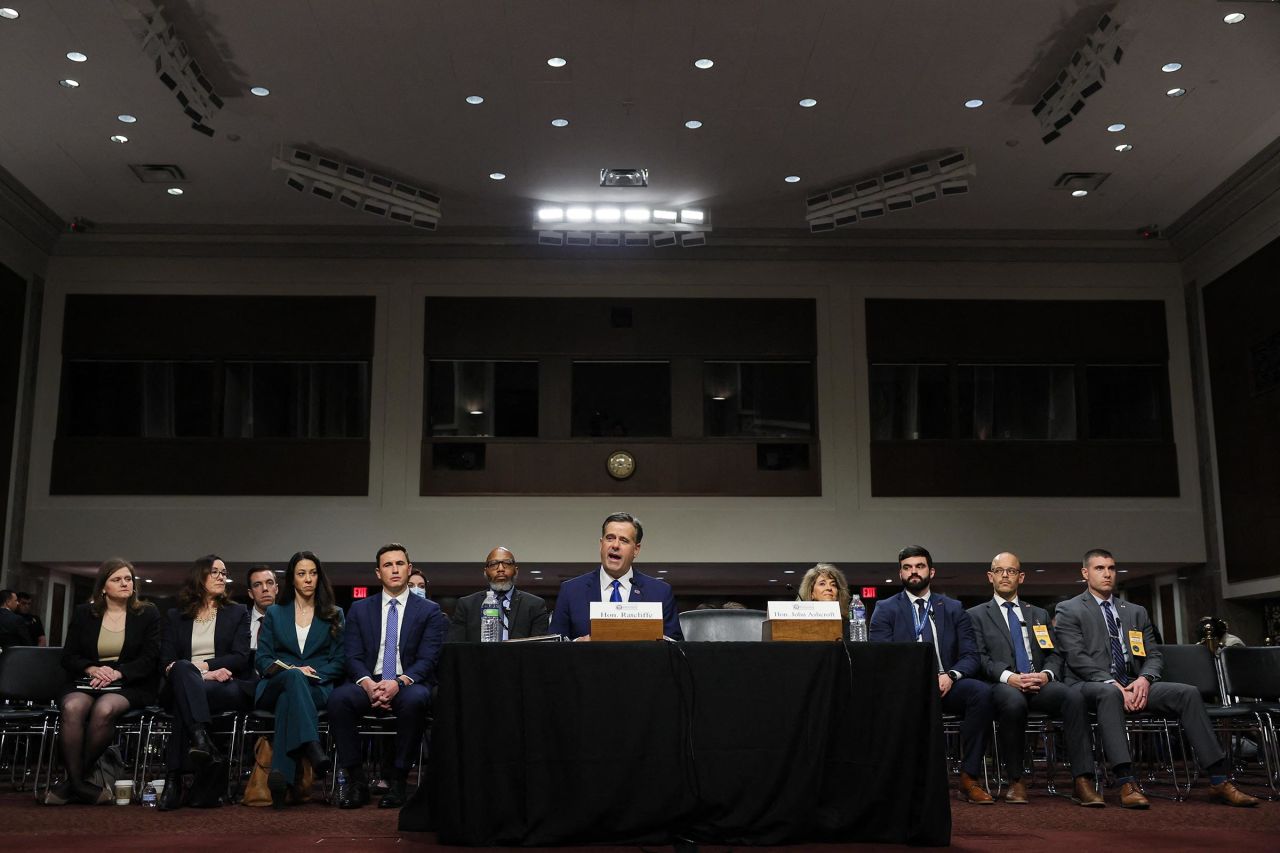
1080	180
158	173
624	177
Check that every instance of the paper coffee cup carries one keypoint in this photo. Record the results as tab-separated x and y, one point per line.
124	792
158	784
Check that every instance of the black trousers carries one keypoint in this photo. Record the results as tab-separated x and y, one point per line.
349	703
971	699
193	702
1054	699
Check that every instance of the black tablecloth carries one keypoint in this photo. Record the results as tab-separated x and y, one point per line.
733	743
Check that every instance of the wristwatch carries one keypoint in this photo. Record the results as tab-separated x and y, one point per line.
955	674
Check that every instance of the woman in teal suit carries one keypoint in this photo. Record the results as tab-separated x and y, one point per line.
303	631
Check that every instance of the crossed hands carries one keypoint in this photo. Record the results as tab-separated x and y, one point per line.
381	693
1135	694
101	676
1028	682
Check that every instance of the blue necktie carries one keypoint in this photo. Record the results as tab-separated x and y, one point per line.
1118	668
390	643
926	630
506	615
616	595
1015	637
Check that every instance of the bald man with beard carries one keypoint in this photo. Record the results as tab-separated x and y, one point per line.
523	614
1019	656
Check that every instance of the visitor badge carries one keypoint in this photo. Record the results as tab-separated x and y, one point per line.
1135	644
1042	636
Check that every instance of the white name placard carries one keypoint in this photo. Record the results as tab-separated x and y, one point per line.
626	610
804	610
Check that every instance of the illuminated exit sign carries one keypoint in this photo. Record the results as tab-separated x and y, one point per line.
359	592
868	592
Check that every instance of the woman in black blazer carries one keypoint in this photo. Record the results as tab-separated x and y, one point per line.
111	656
204	651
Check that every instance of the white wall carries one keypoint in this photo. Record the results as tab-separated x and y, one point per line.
844	524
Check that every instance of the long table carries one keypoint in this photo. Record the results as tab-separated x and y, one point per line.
731	743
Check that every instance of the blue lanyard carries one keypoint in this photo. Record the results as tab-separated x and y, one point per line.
921	620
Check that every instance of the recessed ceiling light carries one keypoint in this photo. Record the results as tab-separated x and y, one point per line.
76	56
1124	146
535	571
120	139
693	124
559	122
557	62
636	215
788	571
1176	92
550	214
69	83
126	118
720	399
476	412
888	580
1234	17
973	103
174	191
8	12
792	179
1079	193
1039	571
1122	571
608	214
663	571
1170	67
660	215
474	99
260	91
808	102
704	64
146	580
578	213
1115	128
498	176
773	580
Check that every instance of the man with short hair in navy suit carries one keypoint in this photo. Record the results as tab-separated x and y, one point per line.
917	615
615	580
393	641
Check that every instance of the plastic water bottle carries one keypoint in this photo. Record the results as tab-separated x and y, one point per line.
857	621
149	796
490	619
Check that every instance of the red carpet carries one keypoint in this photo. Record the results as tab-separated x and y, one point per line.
1046	824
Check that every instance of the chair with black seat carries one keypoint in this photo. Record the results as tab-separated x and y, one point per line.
1194	665
1251	679
31	679
737	625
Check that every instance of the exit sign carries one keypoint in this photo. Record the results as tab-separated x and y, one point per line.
359	592
868	592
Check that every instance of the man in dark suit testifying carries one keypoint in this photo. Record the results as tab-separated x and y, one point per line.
1018	653
1110	653
615	580
523	614
393	642
916	615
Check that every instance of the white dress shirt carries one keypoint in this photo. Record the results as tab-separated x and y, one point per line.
1026	636
255	623
606	585
401	601
933	629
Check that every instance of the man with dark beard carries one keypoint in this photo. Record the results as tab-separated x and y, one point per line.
917	615
523	614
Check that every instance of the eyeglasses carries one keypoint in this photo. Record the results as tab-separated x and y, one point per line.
217	574
1005	573
493	564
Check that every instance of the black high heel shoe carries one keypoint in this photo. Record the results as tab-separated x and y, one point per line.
279	789
172	797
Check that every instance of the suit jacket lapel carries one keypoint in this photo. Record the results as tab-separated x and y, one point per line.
516	595
1037	654
593	592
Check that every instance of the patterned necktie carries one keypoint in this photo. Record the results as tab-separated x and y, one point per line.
616	595
506	615
1118	669
390	642
1015	637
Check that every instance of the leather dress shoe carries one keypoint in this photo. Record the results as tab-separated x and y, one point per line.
90	794
59	795
320	760
171	798
1131	797
279	789
1231	795
972	792
201	752
1085	794
1016	793
395	796
352	794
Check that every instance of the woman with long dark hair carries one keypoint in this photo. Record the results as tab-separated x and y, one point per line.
301	659
204	652
111	656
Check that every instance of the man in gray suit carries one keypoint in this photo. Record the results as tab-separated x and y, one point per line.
523	614
1111	657
1019	655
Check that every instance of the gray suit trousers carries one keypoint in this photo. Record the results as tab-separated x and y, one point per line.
1167	698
